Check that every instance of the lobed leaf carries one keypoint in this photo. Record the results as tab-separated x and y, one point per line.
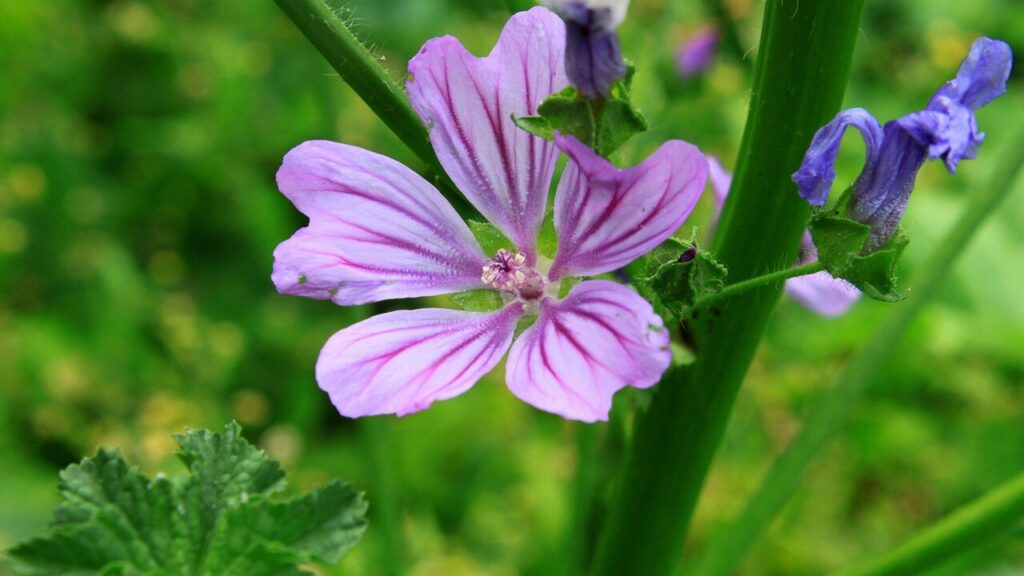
218	521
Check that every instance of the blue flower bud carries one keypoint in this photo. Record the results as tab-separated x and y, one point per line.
593	57
946	129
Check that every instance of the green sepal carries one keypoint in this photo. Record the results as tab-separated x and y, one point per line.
681	274
875	273
619	121
841	243
838	241
547	239
482	300
490	238
567	285
604	125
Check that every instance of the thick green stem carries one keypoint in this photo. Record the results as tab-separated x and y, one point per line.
991	516
827	418
803	65
329	34
754	283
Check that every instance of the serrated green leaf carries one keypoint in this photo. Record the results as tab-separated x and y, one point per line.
218	521
477	300
490	238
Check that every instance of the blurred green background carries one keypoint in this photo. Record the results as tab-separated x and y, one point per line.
138	213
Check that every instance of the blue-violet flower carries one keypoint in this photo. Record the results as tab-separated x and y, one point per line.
593	56
819	292
945	129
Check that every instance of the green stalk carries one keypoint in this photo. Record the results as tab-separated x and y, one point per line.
993	515
329	34
801	74
758	282
827	418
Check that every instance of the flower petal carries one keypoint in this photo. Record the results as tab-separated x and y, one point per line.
583	349
816	173
468	103
981	78
377	230
822	294
606	217
401	362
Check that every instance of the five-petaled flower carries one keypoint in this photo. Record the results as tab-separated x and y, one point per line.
819	292
946	129
378	230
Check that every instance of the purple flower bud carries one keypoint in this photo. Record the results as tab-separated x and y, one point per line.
946	129
593	57
696	54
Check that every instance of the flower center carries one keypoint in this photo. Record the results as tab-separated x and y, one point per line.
510	273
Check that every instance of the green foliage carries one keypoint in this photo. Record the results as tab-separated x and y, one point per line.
220	520
679	273
605	125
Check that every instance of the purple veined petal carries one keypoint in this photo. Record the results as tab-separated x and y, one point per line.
402	362
817	172
982	75
606	217
822	294
468	104
377	230
582	350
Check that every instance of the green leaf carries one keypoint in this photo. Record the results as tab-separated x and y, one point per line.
570	113
547	240
841	244
477	300
490	238
679	274
603	125
535	125
218	521
619	121
875	273
838	241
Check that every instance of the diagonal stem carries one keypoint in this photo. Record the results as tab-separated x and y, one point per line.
828	416
754	283
329	34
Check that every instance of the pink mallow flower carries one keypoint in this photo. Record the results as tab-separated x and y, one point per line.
819	292
377	230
